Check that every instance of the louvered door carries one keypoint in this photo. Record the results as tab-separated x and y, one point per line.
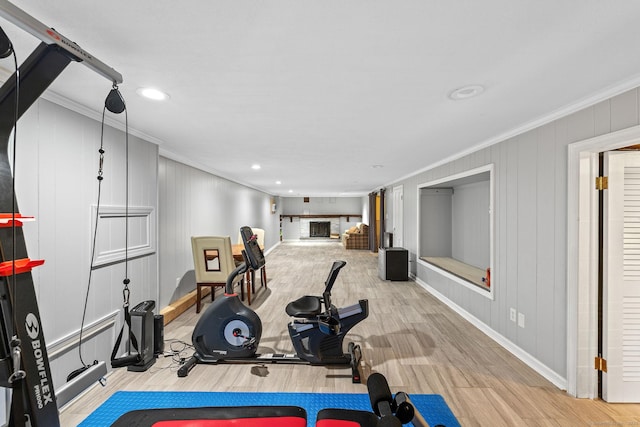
621	328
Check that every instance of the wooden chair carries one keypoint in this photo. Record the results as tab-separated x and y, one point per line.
259	232
213	262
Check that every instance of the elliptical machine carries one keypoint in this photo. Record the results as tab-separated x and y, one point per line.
229	331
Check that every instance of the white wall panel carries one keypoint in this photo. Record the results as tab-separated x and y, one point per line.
624	111
509	226
558	340
546	251
527	240
56	174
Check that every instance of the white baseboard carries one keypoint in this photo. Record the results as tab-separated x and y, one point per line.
268	251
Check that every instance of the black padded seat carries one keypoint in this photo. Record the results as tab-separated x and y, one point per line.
306	307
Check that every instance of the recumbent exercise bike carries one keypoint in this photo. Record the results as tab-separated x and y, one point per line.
229	331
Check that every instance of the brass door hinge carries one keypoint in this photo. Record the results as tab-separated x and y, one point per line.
602	182
600	364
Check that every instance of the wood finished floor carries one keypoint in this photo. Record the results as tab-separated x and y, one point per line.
418	343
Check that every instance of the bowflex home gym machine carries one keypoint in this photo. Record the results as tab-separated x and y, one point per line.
24	361
229	331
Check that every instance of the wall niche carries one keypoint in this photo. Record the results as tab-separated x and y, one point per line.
456	227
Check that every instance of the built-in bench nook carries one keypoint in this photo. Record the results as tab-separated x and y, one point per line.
456	227
472	274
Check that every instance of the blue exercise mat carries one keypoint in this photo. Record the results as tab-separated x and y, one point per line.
432	406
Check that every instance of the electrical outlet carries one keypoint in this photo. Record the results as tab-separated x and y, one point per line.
512	314
521	320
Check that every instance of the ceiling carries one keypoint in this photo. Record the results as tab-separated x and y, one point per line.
338	98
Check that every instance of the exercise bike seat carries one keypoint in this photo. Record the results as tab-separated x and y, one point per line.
306	307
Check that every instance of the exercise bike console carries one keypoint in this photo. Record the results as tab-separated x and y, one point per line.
229	331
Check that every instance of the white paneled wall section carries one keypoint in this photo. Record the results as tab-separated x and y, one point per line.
57	166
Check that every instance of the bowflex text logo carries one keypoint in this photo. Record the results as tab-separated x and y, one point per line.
42	390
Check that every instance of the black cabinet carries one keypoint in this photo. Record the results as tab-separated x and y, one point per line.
393	264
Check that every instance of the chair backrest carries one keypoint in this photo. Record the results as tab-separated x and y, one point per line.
212	258
259	232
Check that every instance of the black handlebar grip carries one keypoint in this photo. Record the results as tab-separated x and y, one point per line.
389	421
378	391
405	412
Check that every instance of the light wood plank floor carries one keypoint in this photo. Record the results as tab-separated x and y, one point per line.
418	343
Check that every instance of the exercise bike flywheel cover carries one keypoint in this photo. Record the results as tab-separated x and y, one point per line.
231	332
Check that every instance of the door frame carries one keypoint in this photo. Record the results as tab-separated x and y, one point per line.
398	219
582	257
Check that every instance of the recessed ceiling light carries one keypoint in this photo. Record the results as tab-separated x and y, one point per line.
152	93
290	191
466	92
377	166
255	167
278	182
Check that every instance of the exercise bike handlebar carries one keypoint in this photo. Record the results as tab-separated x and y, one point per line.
254	257
240	269
333	275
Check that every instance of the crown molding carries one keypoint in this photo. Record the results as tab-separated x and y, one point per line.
65	102
585	102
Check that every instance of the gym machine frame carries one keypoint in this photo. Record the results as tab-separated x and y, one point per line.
22	346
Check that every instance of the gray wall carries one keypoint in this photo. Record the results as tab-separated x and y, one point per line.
470	231
194	202
454	222
57	166
530	270
436	228
322	205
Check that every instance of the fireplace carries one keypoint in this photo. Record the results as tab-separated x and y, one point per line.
320	229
